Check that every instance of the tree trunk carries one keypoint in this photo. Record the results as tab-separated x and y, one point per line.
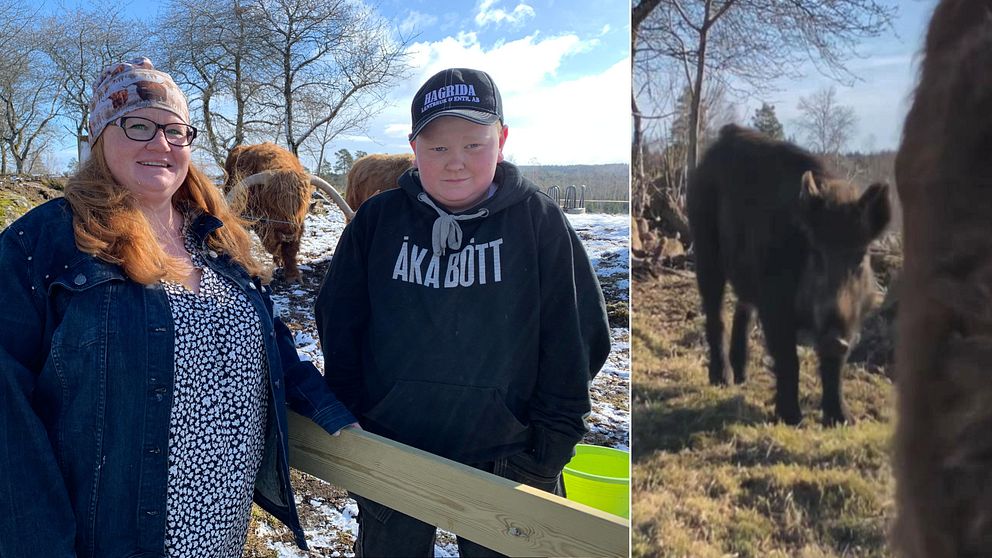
239	99
697	94
79	143
287	93
638	188
239	122
18	161
217	150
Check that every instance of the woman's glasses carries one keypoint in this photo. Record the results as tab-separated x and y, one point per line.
142	129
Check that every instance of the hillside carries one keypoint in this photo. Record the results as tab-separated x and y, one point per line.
18	195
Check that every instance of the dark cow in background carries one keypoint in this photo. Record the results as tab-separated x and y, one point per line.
792	240
944	327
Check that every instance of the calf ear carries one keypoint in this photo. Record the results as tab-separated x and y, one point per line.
808	190
876	210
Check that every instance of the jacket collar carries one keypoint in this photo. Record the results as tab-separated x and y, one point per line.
202	224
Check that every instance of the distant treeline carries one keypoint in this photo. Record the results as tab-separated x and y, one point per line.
603	182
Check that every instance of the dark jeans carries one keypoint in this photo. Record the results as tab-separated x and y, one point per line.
384	532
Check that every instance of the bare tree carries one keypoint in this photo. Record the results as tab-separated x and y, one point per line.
42	158
753	41
15	20
14	16
212	48
826	125
29	98
81	42
313	111
336	52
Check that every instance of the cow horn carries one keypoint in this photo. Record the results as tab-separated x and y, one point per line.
237	196
253	180
328	190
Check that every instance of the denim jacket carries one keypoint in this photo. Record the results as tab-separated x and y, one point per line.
86	378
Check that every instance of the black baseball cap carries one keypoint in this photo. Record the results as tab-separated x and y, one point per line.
462	92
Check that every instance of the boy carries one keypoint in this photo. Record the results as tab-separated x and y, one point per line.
460	314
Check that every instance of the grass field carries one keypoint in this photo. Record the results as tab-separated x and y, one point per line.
713	475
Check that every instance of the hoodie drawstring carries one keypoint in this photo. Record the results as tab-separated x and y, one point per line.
447	233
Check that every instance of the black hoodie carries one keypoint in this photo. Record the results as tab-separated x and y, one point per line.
471	350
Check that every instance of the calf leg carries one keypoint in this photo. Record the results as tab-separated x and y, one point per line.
270	241
738	342
779	324
711	281
834	408
289	251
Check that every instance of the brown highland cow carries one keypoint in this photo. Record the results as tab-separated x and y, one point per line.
374	173
792	240
944	325
276	207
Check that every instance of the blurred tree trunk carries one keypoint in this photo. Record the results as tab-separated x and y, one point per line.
639	189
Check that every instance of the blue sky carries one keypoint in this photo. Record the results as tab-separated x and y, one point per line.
562	67
887	70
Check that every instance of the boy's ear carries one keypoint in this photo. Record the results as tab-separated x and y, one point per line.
413	147
502	141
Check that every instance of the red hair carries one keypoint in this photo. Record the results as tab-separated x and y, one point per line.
109	225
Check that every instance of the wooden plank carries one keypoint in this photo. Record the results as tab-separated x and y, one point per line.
511	518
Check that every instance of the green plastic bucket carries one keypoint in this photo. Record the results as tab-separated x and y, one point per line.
599	477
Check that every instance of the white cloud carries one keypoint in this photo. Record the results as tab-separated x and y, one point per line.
552	120
487	14
581	121
355	138
543	57
416	22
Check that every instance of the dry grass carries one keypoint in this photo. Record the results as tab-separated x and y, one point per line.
715	476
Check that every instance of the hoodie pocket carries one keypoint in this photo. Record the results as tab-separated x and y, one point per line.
464	423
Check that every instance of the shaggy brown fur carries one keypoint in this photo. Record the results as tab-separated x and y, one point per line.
278	208
374	173
944	340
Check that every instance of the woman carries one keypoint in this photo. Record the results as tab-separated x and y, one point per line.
143	375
